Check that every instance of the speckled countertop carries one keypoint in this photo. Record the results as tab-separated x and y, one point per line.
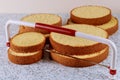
47	69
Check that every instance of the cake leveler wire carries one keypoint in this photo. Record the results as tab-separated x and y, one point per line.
51	28
85	60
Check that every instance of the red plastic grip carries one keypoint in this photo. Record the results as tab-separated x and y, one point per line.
8	44
57	29
113	72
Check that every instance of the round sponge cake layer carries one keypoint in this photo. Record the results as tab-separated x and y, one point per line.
94	15
68	61
45	18
24	58
27	42
111	26
76	45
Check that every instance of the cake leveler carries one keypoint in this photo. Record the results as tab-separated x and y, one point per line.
51	28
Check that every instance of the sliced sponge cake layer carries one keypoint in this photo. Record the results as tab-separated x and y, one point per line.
111	26
24	58
68	61
27	42
51	19
95	15
76	45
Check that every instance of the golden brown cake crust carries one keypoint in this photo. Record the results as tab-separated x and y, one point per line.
23	29
113	29
76	50
24	59
78	63
91	21
27	48
70	22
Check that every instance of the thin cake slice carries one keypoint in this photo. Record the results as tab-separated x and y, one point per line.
94	15
76	45
24	58
83	60
27	42
111	27
51	19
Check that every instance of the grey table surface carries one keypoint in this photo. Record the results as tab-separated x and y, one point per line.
47	69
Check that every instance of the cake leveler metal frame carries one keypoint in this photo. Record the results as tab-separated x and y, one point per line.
51	28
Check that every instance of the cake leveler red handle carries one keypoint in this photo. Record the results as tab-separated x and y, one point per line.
62	30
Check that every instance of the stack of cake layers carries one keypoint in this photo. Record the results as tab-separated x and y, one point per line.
94	15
